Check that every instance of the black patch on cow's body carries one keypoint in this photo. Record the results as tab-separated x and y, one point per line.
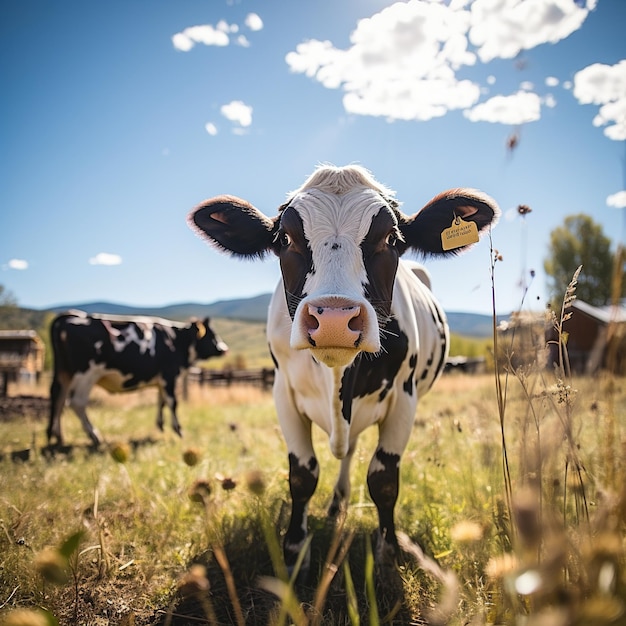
408	383
380	258
368	375
296	258
383	486
302	484
427	368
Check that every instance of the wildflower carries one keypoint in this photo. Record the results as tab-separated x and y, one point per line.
191	456
52	566
120	452
255	482
523	209
466	531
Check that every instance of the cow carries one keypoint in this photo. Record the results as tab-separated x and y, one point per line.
121	354
354	331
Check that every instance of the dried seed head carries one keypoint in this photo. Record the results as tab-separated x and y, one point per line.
194	581
466	531
120	452
200	491
528	517
52	566
255	482
501	566
26	617
191	456
228	484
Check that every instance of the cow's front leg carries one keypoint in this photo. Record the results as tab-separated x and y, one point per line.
79	406
383	475
58	395
383	481
341	493
168	397
303	476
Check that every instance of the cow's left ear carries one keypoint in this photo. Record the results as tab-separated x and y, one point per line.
201	329
450	210
233	225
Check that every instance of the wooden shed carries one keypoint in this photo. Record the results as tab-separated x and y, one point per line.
596	339
21	357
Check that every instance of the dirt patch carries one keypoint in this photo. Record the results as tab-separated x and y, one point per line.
23	406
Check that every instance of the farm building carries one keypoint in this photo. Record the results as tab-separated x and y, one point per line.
596	339
21	356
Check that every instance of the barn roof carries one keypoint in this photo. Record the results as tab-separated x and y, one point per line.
603	314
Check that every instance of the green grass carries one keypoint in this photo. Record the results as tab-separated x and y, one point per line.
141	532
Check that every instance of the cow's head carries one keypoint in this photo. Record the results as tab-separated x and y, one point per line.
207	342
339	238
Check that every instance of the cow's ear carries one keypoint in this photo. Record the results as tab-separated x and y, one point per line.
455	208
233	225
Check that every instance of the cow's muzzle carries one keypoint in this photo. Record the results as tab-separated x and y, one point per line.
335	330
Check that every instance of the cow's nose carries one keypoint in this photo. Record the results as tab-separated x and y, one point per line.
334	327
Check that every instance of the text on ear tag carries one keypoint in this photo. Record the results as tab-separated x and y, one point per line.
460	233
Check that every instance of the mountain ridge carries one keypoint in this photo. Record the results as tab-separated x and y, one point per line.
254	309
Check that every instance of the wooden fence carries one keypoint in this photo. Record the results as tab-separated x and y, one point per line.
262	377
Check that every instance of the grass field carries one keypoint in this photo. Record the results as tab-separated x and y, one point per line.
159	530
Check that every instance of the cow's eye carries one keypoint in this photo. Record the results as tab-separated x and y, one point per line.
284	239
391	239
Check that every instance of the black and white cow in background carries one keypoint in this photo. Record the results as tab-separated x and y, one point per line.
121	354
356	335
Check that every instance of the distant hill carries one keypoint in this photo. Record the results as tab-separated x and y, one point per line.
255	310
246	309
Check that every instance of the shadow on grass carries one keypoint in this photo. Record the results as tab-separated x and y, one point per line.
397	595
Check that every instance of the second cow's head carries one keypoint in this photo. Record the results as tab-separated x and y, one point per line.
339	239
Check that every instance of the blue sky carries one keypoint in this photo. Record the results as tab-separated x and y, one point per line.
117	117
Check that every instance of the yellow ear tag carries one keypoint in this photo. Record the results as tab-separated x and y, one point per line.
460	233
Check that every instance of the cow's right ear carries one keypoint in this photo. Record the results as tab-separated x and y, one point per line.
233	225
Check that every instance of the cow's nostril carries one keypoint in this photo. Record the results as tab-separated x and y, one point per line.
356	323
311	320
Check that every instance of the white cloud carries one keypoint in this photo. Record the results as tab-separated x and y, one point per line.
519	108
18	264
105	258
218	35
206	34
211	129
253	21
503	28
238	112
552	81
605	85
549	100
617	200
402	62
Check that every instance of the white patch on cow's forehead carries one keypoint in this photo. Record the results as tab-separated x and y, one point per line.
326	215
335	226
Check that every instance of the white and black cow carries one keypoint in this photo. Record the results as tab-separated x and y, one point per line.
356	335
121	354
